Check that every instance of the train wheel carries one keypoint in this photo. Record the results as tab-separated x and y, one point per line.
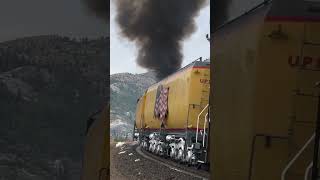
153	148
172	153
158	149
176	155
180	155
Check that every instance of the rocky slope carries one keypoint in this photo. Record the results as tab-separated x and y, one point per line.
125	89
49	86
128	164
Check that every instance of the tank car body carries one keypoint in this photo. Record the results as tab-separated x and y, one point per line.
186	100
264	101
96	158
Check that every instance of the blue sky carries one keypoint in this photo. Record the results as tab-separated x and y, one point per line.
123	52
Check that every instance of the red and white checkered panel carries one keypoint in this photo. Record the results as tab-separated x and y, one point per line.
163	103
156	108
161	106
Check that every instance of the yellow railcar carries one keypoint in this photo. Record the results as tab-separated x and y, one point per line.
139	113
264	101
96	150
188	94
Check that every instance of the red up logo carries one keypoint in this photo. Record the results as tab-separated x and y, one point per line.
307	62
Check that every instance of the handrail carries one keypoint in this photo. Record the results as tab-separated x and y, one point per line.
283	174
307	171
198	121
204	128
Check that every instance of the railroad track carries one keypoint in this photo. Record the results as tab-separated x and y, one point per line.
191	171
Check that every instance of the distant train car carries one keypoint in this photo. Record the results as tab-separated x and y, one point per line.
265	65
172	115
96	150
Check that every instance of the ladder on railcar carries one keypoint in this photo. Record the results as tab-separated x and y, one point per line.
312	170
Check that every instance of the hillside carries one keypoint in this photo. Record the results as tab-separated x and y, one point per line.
49	86
125	89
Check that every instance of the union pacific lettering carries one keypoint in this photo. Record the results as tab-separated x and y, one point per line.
307	62
205	81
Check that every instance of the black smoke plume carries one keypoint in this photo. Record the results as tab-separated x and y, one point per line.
219	12
100	8
158	27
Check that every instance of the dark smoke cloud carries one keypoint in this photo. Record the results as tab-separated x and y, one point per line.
219	12
101	8
158	27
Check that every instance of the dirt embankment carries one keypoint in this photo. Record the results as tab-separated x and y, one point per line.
126	163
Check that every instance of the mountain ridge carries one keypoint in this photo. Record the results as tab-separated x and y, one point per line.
49	86
125	89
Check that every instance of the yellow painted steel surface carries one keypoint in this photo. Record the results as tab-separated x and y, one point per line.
188	95
96	151
264	102
139	112
233	69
